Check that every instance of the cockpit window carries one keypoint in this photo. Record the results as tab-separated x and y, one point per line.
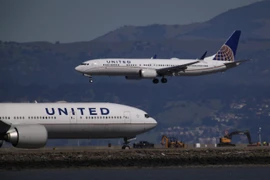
85	64
146	115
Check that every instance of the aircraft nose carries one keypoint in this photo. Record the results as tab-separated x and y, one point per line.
153	123
77	68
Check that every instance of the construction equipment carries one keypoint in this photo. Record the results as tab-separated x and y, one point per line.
172	142
226	140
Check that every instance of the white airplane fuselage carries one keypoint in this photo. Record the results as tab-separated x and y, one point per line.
79	120
132	67
153	68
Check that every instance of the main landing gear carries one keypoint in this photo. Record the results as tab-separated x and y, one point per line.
126	142
163	80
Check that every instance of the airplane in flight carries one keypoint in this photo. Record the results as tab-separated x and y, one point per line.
136	69
30	125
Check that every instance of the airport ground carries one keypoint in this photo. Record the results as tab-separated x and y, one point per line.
115	157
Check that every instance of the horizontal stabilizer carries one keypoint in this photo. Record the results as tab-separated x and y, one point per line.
236	63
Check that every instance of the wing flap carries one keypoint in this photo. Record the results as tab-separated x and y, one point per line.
173	69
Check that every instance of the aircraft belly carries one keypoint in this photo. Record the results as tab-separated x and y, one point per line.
81	131
115	71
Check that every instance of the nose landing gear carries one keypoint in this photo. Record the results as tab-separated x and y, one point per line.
90	79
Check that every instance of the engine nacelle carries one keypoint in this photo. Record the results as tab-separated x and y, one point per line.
133	77
148	73
27	136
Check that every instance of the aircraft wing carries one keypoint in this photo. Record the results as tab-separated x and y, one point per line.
173	69
4	126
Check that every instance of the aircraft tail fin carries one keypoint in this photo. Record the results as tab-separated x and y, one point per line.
227	52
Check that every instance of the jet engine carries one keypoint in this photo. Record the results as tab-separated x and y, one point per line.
148	73
27	136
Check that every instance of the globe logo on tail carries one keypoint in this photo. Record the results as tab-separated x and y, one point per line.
224	54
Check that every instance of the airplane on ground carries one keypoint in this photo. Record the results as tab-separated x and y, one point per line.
136	69
30	125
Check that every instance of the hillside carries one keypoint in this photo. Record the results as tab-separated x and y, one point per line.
253	20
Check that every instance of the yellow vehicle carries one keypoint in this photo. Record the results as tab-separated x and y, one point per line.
172	142
226	140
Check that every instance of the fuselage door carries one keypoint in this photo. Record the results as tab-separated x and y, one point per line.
127	117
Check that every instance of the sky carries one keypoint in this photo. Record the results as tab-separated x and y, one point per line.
84	20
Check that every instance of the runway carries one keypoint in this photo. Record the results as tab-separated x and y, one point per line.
89	157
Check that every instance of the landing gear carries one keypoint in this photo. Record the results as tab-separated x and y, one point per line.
126	142
90	79
164	80
155	81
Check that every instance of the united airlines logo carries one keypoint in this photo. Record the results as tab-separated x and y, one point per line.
224	54
118	62
78	111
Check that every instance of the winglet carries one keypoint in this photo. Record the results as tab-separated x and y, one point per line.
203	56
154	57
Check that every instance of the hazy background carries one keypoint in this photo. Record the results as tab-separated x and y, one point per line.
84	20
